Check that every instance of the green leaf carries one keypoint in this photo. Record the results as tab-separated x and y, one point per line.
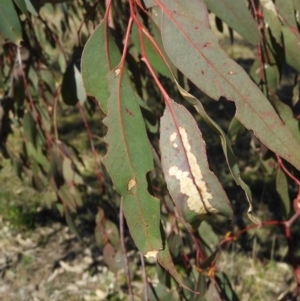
10	25
291	40
128	160
30	129
72	226
237	16
44	114
33	7
195	190
66	197
271	19
165	260
283	191
208	236
157	291
152	55
297	9
194	50
285	9
213	293
22	6
225	287
100	56
270	76
69	172
287	116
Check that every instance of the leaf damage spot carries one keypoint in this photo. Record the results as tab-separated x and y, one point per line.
131	184
151	253
173	137
117	72
197	191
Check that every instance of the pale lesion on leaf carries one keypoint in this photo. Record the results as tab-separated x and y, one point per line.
117	72
131	184
151	253
172	139
195	188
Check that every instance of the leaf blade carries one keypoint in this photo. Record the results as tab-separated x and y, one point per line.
10	25
237	16
128	160
99	56
197	54
195	190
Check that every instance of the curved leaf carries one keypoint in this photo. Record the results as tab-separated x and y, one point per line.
227	149
195	190
194	50
10	25
128	160
236	14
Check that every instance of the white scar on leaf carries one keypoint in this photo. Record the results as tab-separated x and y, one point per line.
198	195
172	139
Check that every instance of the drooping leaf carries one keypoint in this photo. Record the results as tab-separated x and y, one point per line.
22	6
194	50
69	172
236	15
227	149
283	191
99	57
71	224
152	55
225	286
287	116
10	25
44	114
33	6
213	293
165	260
271	19
105	231
195	190
291	40
66	197
297	9
266	76
157	291
208	236
286	10
30	129
128	160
